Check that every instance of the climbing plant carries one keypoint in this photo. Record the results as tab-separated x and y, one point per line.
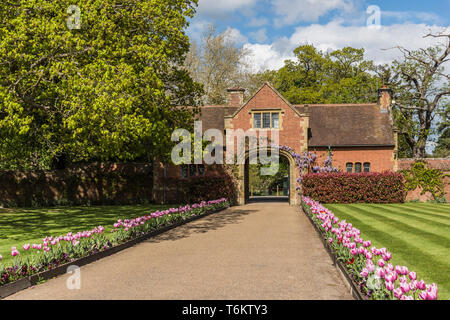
429	179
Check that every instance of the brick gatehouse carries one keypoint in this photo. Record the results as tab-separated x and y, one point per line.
361	136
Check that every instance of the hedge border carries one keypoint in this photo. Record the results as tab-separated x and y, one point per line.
24	283
354	290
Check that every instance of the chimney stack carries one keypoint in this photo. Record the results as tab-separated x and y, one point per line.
385	98
235	96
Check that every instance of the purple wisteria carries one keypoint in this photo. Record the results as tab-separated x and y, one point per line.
307	161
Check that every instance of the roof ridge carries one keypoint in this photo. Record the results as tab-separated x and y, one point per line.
335	104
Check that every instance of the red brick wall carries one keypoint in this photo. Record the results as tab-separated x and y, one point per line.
291	132
380	158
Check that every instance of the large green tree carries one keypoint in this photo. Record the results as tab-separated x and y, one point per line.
92	80
340	76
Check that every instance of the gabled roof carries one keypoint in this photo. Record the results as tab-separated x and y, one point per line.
274	90
341	125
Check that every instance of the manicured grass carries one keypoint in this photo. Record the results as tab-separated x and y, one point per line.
417	234
19	226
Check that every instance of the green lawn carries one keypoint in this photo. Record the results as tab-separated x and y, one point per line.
20	226
417	234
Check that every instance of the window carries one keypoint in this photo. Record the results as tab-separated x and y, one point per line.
201	169
184	171
349	166
257	120
266	120
192	170
275	120
366	167
358	167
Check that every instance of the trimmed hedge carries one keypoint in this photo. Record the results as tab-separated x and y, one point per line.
367	187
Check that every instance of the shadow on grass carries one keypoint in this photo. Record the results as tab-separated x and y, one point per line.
23	224
206	224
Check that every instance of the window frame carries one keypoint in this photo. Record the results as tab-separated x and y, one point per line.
366	164
360	167
261	114
347	167
184	171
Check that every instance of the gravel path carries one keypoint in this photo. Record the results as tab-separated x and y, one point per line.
257	251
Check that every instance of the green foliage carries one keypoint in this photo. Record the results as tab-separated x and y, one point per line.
341	76
430	180
106	91
260	183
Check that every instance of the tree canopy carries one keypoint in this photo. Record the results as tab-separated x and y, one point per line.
100	80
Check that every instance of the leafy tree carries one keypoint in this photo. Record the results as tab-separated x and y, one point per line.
341	76
101	83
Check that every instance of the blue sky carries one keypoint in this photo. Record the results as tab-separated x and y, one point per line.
271	29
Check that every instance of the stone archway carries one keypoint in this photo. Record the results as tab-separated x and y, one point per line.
243	178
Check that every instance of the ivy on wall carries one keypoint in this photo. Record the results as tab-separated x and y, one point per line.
429	179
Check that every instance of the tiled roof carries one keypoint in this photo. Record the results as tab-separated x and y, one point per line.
348	125
330	124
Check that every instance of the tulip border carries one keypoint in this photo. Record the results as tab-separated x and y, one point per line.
354	290
368	280
24	283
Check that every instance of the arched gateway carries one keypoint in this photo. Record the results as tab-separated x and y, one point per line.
361	136
243	177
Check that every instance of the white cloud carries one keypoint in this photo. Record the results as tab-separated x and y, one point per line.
265	56
293	11
219	8
260	35
335	35
236	36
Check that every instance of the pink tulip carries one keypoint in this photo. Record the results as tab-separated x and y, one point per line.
364	272
398	293
14	251
380	272
330	240
1	258
404	286
26	247
389	286
405	297
381	263
412	275
421	285
387	256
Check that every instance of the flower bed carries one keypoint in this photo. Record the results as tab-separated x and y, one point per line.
378	280
57	251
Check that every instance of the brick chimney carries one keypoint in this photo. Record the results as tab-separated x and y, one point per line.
385	98
235	96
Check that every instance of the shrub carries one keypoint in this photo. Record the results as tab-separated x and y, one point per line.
367	187
196	189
